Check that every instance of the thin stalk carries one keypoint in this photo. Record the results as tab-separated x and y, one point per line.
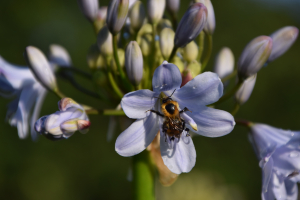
143	177
114	84
201	37
109	112
173	53
229	76
59	94
209	50
229	94
77	71
243	122
235	109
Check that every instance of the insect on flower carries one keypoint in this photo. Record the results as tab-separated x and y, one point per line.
173	125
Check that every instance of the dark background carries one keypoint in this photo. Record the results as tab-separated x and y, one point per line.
87	166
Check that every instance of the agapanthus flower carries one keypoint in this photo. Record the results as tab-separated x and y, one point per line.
20	83
62	124
279	155
178	153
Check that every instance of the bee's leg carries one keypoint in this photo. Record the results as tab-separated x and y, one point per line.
187	130
154	111
165	132
184	110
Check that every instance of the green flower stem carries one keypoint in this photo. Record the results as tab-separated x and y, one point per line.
114	84
245	123
109	112
201	45
173	53
229	76
235	109
174	20
116	57
58	93
229	94
143	177
209	50
77	71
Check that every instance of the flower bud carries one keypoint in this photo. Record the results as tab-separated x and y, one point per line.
211	20
92	57
134	63
137	16
59	55
101	18
121	55
62	124
163	23
178	62
190	52
89	8
283	39
155	10
166	42
146	44
190	25
104	41
244	92
224	64
40	67
195	68
254	56
116	15
173	6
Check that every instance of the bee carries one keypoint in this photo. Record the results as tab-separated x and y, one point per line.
173	125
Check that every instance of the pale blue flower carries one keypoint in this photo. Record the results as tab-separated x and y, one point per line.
279	154
178	154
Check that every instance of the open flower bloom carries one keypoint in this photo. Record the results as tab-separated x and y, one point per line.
178	153
62	124
279	155
19	82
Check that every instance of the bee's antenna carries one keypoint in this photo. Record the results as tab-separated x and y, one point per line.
172	93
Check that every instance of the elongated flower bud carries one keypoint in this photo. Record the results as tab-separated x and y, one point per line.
166	42
245	91
224	64
254	56
173	6
104	41
137	16
211	20
191	24
40	67
190	52
116	15
101	18
283	39
89	8
163	23
59	55
156	9
134	63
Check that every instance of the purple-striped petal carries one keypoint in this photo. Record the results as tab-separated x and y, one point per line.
135	104
166	77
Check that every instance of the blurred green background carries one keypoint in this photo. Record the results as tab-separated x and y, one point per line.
87	166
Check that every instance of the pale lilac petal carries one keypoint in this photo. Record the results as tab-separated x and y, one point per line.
266	175
138	136
278	187
181	157
204	89
166	77
291	190
189	121
135	104
212	122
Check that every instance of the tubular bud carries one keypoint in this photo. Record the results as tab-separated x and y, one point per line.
89	8
224	63
173	6
134	63
166	41
137	16
59	55
191	24
245	91
104	41
40	67
190	52
146	44
211	20
254	56
283	39
116	15
155	10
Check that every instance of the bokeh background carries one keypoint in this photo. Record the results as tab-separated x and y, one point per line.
87	166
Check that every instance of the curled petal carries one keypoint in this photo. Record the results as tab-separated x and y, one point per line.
135	104
188	120
180	157
212	122
166	77
266	174
138	136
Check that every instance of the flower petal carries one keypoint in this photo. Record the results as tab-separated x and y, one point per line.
266	175
181	157
137	136
291	190
166	77
204	89
212	122
135	104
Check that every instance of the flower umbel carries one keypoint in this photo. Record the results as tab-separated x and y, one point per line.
178	152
